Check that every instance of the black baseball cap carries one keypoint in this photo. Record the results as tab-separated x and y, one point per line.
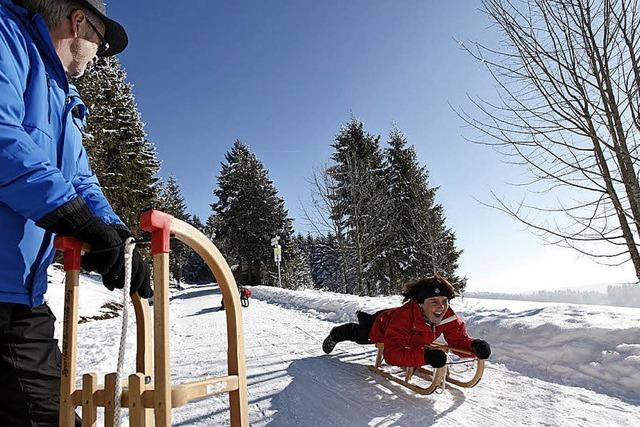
114	33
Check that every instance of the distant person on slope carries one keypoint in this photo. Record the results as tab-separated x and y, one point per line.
406	331
48	188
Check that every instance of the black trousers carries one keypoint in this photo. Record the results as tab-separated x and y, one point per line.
356	332
29	367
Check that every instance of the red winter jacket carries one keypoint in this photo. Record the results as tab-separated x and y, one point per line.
405	334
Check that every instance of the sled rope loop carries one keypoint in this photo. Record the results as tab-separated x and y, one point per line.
129	245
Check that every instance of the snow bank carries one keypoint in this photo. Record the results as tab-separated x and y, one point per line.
595	347
292	382
93	298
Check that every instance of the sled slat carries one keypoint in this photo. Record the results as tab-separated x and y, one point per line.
185	393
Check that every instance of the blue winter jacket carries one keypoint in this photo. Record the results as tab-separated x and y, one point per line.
43	164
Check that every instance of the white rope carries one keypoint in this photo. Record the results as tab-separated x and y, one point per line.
128	260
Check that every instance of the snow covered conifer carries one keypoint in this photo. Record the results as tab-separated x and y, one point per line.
172	202
360	207
325	264
248	214
297	270
422	242
121	155
195	269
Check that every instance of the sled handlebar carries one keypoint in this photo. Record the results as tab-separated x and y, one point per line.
447	349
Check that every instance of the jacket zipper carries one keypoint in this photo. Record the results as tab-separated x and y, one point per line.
49	97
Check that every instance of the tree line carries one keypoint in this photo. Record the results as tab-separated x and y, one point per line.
567	77
374	217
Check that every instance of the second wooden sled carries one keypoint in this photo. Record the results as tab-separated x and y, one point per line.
437	376
149	395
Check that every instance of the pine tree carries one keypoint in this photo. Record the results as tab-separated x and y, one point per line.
359	208
297	269
248	213
325	263
195	269
210	229
422	243
213	224
172	202
332	258
120	153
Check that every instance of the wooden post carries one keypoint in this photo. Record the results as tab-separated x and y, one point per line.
144	347
161	349
409	374
380	348
144	335
110	399
137	413
72	250
89	408
159	224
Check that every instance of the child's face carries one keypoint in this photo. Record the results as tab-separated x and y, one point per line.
434	308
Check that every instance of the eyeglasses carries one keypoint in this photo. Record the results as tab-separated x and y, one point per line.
103	46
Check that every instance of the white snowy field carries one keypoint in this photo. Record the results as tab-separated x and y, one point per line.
552	364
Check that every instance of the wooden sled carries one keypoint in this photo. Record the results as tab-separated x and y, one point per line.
150	395
244	301
437	377
244	298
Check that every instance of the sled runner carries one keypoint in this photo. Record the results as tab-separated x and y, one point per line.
150	394
436	377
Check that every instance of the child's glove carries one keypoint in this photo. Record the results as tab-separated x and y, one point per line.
481	349
435	358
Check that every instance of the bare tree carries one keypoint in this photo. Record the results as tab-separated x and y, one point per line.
358	225
319	216
568	112
323	202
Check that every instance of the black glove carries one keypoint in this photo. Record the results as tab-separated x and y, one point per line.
107	257
435	358
140	278
481	349
75	219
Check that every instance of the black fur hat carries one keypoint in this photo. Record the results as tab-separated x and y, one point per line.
436	286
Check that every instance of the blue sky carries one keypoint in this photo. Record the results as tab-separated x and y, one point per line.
283	76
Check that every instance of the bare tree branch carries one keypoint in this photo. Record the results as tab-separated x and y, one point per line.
568	112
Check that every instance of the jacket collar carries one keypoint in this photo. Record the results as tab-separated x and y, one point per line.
417	317
419	322
39	32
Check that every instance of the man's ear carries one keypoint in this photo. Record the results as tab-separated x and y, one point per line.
76	17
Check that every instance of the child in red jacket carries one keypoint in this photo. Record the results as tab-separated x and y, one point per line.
406	331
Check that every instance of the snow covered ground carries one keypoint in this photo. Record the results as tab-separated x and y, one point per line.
552	364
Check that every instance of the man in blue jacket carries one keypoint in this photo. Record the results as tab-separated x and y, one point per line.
48	188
